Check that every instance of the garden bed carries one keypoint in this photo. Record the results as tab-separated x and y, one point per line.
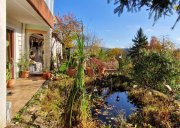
151	108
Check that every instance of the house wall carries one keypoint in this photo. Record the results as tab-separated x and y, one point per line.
21	38
19	46
3	63
56	48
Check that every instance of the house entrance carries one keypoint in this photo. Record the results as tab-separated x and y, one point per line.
10	49
36	53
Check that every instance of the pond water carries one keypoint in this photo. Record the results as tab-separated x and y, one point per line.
115	103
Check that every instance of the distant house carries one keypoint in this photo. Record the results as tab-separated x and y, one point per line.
29	28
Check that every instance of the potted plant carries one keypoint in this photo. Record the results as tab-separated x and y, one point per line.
9	80
23	65
89	71
46	74
72	67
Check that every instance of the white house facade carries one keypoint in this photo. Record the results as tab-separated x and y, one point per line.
26	26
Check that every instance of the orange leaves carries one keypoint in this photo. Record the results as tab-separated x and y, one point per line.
67	27
155	44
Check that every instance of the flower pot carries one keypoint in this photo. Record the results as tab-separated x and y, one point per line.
71	72
46	75
10	83
25	74
89	71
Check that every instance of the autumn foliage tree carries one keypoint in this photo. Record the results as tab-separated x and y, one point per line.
112	53
67	27
177	54
155	44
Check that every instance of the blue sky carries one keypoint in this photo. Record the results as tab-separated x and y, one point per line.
115	31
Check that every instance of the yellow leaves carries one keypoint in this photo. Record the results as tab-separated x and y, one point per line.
177	54
114	52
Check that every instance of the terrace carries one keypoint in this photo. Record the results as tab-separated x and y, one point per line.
22	92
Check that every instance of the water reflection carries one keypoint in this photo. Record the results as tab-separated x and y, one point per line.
114	104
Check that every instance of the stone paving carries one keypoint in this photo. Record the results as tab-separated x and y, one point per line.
22	92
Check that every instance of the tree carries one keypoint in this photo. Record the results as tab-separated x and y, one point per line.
140	42
90	38
157	69
177	54
67	27
112	53
158	8
155	44
93	44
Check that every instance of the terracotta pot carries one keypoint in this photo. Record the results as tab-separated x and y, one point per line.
25	74
71	72
89	71
46	75
10	83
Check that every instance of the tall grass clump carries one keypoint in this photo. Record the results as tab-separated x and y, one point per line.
76	106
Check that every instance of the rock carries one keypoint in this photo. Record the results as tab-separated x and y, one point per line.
27	118
149	93
39	121
33	110
135	86
169	88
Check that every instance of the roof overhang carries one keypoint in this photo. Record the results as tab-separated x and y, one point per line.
42	9
33	12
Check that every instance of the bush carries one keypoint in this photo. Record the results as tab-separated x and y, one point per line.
157	69
125	66
63	67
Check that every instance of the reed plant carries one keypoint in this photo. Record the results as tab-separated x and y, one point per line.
76	106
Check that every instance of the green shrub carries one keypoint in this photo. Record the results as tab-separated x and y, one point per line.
125	66
155	69
63	67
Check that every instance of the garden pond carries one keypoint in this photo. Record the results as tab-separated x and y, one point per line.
109	105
